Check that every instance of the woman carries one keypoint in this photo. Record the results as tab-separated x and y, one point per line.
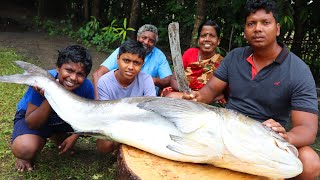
200	62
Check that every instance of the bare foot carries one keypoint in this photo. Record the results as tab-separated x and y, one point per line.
23	165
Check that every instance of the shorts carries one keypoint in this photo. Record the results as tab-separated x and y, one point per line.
20	127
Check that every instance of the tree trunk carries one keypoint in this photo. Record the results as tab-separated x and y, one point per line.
95	9
200	15
41	9
51	8
298	27
134	18
86	10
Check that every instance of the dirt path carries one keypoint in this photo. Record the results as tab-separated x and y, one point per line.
38	47
41	48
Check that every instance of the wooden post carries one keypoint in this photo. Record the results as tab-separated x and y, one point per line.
174	39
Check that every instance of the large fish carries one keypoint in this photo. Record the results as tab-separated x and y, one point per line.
175	129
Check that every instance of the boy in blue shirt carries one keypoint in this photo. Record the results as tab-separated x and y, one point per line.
35	120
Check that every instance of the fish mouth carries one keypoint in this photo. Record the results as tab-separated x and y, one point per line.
282	143
286	147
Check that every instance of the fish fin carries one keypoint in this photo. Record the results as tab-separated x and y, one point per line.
182	111
31	68
238	138
187	146
27	77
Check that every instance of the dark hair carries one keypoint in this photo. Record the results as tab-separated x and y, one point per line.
210	23
268	5
76	54
133	47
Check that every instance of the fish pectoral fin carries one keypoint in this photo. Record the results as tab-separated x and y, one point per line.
186	115
187	146
97	134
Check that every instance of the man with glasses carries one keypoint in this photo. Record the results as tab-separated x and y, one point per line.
155	62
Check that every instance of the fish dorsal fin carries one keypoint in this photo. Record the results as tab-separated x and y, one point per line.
186	115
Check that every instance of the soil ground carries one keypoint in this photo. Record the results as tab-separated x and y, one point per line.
41	48
16	32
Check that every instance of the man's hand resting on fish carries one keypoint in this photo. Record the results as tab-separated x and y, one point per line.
194	95
271	123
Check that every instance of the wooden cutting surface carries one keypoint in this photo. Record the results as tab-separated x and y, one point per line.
137	164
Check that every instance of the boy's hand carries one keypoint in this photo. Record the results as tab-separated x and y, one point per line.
39	90
67	144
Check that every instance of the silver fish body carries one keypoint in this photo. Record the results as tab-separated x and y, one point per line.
175	129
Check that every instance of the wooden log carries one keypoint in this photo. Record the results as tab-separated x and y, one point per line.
136	164
174	39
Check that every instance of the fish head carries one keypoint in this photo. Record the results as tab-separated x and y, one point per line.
282	143
283	155
263	150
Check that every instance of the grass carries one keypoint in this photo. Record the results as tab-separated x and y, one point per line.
85	164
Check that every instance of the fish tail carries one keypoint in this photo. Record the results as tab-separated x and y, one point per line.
29	77
31	68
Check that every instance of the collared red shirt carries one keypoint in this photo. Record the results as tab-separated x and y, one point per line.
254	70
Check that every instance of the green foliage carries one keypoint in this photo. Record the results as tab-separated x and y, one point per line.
104	38
91	33
88	32
85	164
287	21
165	12
67	26
63	27
48	25
122	31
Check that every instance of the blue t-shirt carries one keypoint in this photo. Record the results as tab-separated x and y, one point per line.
84	90
110	89
155	63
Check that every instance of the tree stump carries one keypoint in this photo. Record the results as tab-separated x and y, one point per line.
137	164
